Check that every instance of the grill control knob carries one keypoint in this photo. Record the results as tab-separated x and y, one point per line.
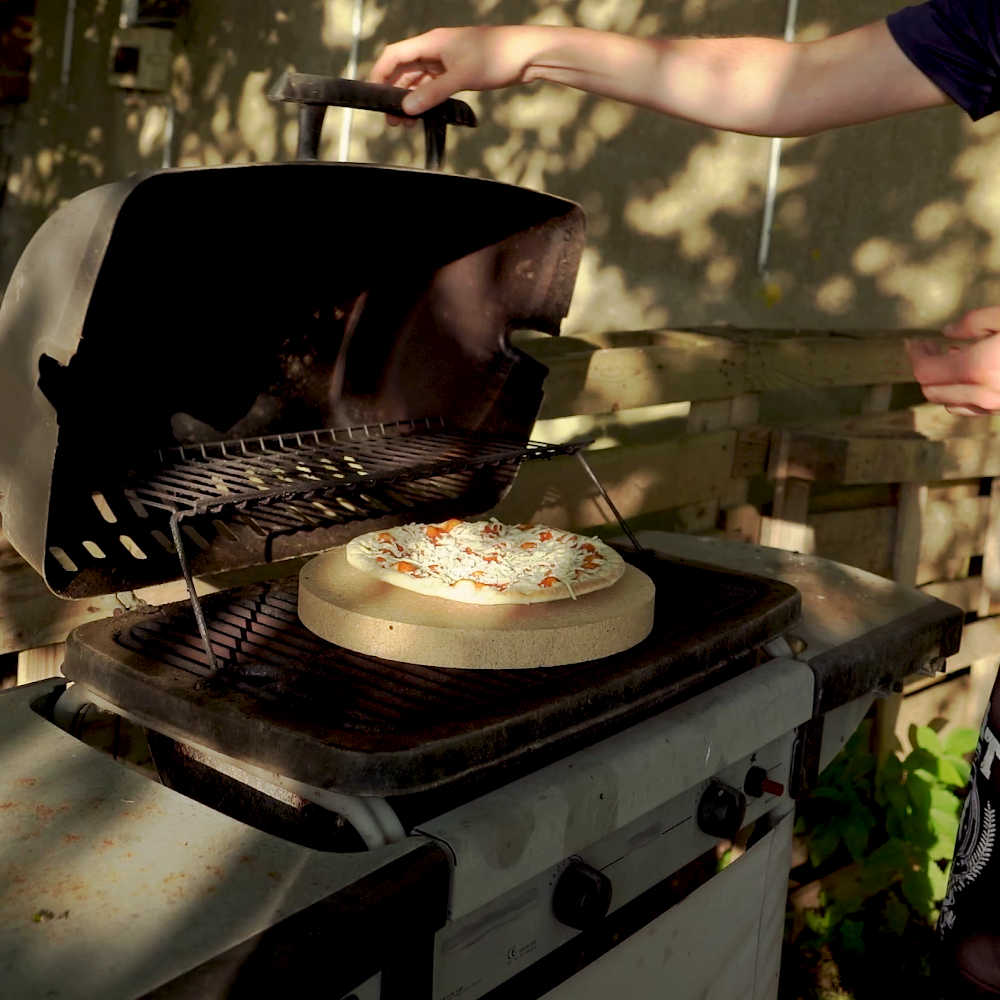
758	784
721	809
582	896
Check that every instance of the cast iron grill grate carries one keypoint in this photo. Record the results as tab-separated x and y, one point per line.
277	695
262	649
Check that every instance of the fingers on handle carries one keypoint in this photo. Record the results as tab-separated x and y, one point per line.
430	93
400	54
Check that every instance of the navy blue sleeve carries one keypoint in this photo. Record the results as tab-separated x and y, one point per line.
956	43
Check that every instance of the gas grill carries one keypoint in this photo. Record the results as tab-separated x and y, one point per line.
218	802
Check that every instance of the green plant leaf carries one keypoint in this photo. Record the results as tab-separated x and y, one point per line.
960	742
950	774
918	891
938	879
819	922
926	739
852	936
895	798
921	759
822	844
946	801
918	788
963	767
856	838
831	793
895	915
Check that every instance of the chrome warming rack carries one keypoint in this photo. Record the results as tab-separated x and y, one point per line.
288	482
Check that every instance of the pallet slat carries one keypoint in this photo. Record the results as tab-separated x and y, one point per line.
604	373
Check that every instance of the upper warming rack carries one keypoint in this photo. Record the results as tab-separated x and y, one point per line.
261	499
340	474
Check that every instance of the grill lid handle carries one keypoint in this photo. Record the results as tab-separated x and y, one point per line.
316	93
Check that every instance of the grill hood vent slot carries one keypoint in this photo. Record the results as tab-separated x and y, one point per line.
246	302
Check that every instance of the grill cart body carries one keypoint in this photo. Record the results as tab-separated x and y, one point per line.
180	900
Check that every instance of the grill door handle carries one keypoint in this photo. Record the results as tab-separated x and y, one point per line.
315	94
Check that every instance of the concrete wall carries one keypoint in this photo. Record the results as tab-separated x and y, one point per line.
884	225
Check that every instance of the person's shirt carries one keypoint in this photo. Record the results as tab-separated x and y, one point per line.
956	43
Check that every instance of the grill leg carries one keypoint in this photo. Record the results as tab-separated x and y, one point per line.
199	615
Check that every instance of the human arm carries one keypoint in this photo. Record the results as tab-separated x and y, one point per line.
761	86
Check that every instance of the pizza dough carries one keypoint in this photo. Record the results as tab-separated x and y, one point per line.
487	562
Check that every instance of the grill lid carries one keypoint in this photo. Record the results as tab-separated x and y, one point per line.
246	305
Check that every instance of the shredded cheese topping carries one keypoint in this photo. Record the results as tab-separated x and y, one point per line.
523	558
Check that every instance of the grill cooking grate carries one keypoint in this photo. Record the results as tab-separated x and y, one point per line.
264	650
286	700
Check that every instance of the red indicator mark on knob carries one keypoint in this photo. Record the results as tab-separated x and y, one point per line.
757	783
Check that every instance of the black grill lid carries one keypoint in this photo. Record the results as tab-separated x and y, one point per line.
246	302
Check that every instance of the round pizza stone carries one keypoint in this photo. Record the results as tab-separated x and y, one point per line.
357	611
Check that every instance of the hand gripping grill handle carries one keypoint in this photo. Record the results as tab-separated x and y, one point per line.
316	93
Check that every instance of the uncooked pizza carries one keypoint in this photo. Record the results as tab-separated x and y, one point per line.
487	562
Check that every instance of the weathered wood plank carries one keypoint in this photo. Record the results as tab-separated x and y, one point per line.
677	367
953	531
980	641
41	663
640	479
990	593
929	536
608	372
964	594
856	460
862	538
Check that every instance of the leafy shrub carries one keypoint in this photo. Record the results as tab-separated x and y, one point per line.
880	839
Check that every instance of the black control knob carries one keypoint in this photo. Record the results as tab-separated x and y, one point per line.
582	896
721	809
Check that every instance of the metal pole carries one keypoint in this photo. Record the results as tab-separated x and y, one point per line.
168	136
69	29
774	163
351	72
